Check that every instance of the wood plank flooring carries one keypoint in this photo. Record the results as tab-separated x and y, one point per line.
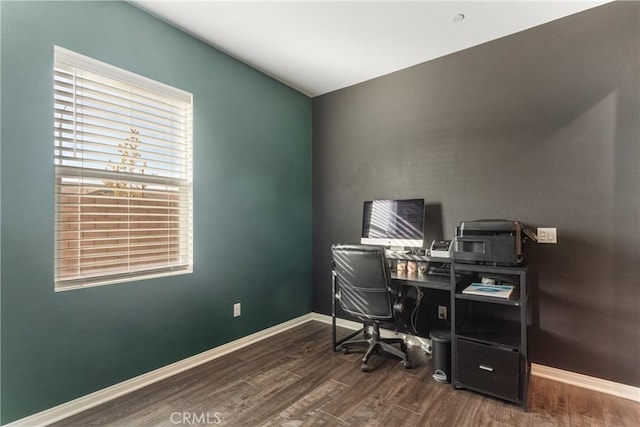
294	379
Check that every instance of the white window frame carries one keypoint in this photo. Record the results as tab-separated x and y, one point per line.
123	149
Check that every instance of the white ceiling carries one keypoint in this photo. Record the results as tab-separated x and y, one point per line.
321	46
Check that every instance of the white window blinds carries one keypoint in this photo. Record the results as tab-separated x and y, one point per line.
123	175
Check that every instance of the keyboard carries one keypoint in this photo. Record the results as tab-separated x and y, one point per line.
390	252
439	271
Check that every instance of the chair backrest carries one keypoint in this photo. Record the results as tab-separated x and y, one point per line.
362	280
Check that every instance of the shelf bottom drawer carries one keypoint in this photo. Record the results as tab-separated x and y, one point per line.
493	369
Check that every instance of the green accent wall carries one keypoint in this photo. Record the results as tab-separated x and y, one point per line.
252	209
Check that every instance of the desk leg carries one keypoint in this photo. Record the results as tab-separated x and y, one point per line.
333	310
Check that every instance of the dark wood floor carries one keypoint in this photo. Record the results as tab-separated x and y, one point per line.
293	379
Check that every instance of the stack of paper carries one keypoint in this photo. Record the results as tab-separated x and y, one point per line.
499	291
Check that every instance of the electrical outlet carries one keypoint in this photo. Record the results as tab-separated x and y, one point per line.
547	235
236	309
442	312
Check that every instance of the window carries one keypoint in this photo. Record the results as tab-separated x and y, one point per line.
123	175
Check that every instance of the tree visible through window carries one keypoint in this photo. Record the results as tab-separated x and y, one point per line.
129	162
123	175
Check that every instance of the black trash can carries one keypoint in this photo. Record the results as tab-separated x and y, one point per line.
441	355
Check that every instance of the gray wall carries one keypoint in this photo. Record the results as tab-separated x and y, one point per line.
541	126
252	204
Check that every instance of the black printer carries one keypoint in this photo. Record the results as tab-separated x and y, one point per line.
488	241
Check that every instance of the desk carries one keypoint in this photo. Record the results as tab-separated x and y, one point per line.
486	332
417	279
420	280
425	293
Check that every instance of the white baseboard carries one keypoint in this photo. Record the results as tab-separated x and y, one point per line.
83	403
386	333
584	381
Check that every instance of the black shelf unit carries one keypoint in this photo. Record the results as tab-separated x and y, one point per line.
489	334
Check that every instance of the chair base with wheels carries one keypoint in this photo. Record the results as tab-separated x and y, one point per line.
374	343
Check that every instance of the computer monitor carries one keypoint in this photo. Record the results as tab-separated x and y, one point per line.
396	223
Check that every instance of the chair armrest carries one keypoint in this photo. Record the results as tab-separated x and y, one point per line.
398	299
398	307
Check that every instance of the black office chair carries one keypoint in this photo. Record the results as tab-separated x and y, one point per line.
362	285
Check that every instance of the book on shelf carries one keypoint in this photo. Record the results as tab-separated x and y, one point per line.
498	291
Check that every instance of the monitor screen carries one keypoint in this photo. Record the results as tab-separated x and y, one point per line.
393	223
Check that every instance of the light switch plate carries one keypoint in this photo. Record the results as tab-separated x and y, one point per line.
547	235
